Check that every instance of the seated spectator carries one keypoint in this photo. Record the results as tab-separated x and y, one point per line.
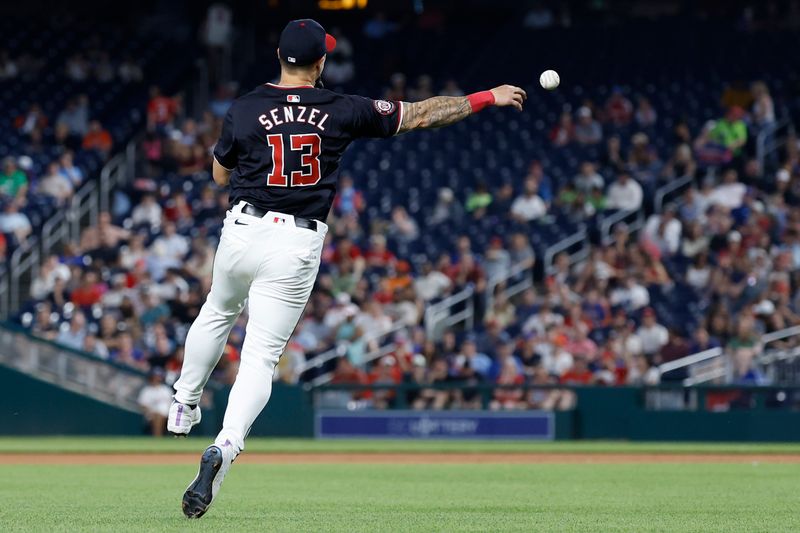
397	88
93	345
641	373
73	335
653	335
625	194
8	68
763	110
630	294
645	115
563	133
744	346
663	232
698	274
130	71
520	252
55	185
403	226
423	89
730	193
722	140
681	163
505	398
155	399
13	181
470	358
431	283
90	290
170	244
69	170
588	130
77	68
528	206
446	208
45	280
349	200
15	222
33	119
643	162
451	88
147	212
588	178
161	110
98	139
618	109
378	256
496	260
478	200
75	115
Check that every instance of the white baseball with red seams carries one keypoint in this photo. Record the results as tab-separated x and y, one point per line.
549	79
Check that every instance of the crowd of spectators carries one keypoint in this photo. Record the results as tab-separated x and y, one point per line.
44	169
131	287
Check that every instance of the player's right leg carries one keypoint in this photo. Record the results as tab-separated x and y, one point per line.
234	265
277	298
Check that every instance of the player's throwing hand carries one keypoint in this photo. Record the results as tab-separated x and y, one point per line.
506	95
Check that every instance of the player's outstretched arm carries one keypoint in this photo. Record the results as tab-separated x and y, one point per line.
444	110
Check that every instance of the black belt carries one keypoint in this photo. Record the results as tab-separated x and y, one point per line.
300	222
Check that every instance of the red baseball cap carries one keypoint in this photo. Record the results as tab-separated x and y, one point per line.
304	41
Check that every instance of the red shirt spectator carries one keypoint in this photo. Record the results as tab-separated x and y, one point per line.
161	110
97	138
89	292
579	374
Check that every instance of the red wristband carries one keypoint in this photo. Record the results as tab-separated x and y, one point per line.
480	100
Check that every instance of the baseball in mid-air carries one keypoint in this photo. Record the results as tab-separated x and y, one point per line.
549	79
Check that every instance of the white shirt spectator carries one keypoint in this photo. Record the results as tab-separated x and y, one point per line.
653	337
729	195
667	240
625	194
632	296
156	398
431	285
147	212
529	207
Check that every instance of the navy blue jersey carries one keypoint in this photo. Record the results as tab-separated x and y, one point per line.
283	145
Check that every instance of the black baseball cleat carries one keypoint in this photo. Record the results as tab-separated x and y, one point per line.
214	464
198	497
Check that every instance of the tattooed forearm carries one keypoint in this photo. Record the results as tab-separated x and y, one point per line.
434	112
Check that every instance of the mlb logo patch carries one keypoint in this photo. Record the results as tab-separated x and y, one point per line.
293	98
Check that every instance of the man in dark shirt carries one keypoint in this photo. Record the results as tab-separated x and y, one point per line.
280	151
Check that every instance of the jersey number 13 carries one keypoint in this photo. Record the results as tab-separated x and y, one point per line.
308	144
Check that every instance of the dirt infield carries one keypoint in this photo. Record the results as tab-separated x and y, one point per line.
396	458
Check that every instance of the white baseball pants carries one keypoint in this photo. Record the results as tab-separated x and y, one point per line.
271	264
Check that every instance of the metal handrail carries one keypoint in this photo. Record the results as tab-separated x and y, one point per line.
771	132
564	244
514	271
714	353
699	357
664	190
320	359
438	313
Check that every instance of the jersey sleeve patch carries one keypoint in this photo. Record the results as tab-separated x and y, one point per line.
384	107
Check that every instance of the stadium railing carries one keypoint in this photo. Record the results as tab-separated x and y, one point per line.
74	370
771	139
715	364
663	397
65	224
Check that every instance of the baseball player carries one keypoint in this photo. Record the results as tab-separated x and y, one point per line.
279	151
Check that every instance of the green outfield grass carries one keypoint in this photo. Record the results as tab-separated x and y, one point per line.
170	444
388	498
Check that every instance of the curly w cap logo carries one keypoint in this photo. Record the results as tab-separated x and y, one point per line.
384	107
